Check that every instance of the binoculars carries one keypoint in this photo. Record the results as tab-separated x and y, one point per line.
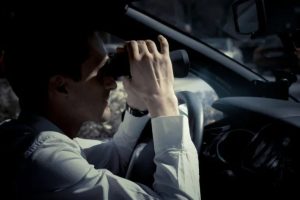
118	64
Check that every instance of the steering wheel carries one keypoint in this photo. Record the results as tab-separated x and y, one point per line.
142	167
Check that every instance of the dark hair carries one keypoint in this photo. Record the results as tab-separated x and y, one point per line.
34	54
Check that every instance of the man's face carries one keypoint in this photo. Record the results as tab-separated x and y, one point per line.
89	96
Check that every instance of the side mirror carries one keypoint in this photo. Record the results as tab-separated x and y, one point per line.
264	17
245	16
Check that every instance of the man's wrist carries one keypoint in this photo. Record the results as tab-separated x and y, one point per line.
136	112
163	106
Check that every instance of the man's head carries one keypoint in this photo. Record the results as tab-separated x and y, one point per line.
32	57
54	72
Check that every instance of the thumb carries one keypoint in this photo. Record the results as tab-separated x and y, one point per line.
126	82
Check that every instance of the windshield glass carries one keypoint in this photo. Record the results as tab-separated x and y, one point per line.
212	22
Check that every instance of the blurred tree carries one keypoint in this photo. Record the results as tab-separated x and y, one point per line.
203	18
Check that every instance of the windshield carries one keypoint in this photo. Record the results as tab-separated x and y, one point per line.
212	23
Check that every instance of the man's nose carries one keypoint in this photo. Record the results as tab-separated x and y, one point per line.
109	83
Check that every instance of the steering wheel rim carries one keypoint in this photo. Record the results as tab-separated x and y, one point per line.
195	116
142	167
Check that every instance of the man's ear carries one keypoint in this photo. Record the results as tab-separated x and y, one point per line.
58	83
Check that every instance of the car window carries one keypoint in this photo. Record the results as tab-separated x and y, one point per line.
212	23
9	106
203	91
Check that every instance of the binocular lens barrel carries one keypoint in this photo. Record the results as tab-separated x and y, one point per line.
118	65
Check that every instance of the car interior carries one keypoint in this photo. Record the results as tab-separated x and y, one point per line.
245	127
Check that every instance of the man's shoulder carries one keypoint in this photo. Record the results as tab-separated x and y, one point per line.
16	135
24	139
49	142
14	127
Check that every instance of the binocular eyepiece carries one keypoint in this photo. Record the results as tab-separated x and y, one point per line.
118	64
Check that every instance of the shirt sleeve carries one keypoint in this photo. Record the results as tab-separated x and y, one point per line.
58	170
176	159
114	154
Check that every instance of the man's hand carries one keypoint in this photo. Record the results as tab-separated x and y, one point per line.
152	78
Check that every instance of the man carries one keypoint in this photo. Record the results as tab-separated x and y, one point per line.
58	79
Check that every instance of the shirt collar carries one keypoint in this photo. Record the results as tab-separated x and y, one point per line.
38	122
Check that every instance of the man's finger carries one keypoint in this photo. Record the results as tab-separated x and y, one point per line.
126	82
151	46
133	49
143	49
164	45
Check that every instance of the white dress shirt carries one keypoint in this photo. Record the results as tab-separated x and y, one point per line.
57	167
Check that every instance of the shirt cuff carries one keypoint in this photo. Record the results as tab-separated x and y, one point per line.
132	126
170	132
